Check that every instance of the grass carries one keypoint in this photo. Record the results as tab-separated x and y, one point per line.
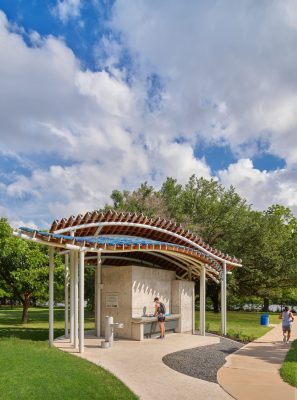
288	370
243	326
32	370
37	328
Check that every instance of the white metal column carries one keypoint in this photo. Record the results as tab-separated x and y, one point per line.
51	296
72	296
81	300
95	299
193	299
202	300
76	300
224	299
98	296
193	312
66	287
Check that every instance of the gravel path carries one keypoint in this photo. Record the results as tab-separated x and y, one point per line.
202	362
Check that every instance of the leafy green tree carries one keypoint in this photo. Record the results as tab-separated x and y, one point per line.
143	200
269	254
23	268
266	241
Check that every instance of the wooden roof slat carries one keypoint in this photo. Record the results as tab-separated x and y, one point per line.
112	215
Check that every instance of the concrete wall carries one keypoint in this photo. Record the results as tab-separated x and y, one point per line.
117	280
182	295
136	287
148	283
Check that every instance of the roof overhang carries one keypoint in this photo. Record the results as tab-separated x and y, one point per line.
123	237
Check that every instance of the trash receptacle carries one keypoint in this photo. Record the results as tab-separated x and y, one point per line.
264	319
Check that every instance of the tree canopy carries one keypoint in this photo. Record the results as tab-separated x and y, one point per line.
23	268
266	241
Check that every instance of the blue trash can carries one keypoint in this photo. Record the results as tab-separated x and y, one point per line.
264	319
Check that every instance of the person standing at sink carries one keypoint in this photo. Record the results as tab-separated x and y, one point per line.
160	311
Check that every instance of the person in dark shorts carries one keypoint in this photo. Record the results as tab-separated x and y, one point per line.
160	312
287	319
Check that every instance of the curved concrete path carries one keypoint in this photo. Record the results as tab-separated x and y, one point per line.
252	373
139	365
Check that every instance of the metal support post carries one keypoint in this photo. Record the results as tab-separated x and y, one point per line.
98	296
51	296
66	287
76	300
72	296
81	300
202	300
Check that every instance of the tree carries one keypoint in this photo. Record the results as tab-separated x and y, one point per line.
216	214
269	253
23	268
265	240
143	200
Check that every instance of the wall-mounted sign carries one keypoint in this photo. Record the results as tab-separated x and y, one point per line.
112	300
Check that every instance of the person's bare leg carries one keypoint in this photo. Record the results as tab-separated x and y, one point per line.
160	326
284	336
288	335
163	329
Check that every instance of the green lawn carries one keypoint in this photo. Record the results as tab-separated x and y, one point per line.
31	370
288	370
37	328
244	326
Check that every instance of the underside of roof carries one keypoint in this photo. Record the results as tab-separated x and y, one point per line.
124	238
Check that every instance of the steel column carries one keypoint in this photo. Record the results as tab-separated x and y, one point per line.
202	300
81	300
72	296
51	296
224	299
66	288
76	300
98	296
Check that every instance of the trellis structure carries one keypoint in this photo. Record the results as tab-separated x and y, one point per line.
120	238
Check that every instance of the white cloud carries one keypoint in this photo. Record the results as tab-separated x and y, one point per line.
227	75
15	222
262	188
66	9
93	126
229	70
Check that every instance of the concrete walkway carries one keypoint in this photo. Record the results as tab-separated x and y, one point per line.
139	365
252	373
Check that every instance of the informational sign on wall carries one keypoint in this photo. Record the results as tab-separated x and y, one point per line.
112	300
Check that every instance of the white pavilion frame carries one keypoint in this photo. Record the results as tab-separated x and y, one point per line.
75	256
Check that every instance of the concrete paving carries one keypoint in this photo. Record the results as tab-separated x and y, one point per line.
139	365
252	373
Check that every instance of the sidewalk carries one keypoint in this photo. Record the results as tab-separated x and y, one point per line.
139	365
252	373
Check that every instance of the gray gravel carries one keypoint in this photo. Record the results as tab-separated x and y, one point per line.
202	362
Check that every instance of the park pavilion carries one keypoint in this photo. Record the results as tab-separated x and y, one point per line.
110	240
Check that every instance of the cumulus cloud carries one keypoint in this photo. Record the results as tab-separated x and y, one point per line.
89	130
229	69
66	9
204	70
262	188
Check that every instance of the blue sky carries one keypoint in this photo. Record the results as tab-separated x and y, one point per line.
80	34
98	95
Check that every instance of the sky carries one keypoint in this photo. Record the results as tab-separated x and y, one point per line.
97	95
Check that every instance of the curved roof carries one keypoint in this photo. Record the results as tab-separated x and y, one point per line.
132	224
123	238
